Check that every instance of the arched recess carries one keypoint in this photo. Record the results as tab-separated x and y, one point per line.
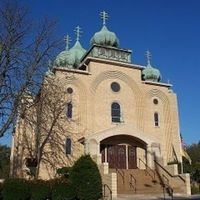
124	129
124	139
128	81
82	92
166	114
125	133
123	151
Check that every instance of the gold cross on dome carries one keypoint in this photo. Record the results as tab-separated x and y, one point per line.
148	55
67	40
78	32
104	17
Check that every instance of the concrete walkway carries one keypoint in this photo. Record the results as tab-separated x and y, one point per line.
157	197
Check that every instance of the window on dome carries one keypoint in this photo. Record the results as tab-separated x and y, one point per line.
68	146
115	112
69	110
156	119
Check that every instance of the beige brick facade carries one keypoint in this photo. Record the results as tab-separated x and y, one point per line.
91	124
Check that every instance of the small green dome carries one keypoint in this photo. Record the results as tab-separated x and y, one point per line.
151	74
105	37
77	52
65	59
70	58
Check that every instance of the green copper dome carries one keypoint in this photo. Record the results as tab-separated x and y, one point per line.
151	74
65	59
105	37
70	58
77	52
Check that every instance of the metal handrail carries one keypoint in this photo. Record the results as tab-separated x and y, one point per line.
131	181
104	191
166	179
121	174
147	167
167	186
173	176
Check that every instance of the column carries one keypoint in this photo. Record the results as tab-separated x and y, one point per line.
150	157
86	146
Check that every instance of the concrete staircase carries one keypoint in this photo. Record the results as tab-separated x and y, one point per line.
137	181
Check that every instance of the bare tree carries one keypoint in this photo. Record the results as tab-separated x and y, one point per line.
25	49
43	127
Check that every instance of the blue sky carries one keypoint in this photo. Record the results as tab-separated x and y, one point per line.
170	29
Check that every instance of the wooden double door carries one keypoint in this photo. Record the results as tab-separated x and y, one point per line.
119	156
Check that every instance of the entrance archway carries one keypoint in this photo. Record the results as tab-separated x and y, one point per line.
120	151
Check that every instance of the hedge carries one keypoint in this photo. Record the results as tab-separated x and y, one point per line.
40	190
62	189
1	187
81	182
15	189
86	179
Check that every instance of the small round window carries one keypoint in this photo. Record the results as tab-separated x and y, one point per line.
115	87
155	101
69	90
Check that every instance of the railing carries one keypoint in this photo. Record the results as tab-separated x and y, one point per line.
165	178
167	187
148	168
109	190
133	182
121	173
173	176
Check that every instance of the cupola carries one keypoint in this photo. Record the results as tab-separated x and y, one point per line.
149	73
77	51
65	58
70	58
105	37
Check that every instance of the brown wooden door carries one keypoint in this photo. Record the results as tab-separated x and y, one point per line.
116	156
132	158
111	157
121	156
102	150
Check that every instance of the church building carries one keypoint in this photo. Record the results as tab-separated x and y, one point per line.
119	112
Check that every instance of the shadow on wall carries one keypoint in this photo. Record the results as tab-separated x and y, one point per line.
43	133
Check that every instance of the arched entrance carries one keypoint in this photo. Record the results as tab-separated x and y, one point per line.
120	151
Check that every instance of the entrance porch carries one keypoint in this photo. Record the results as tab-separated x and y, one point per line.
123	152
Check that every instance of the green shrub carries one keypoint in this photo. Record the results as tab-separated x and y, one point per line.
1	187
16	189
61	189
40	190
86	179
64	171
195	190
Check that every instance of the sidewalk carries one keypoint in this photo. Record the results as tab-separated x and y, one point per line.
155	197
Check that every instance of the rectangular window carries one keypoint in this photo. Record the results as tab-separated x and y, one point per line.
68	146
156	119
69	110
115	112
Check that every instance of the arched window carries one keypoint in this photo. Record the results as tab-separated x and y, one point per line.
69	110
115	112
156	119
68	146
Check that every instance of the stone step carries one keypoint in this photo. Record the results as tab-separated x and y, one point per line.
145	183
